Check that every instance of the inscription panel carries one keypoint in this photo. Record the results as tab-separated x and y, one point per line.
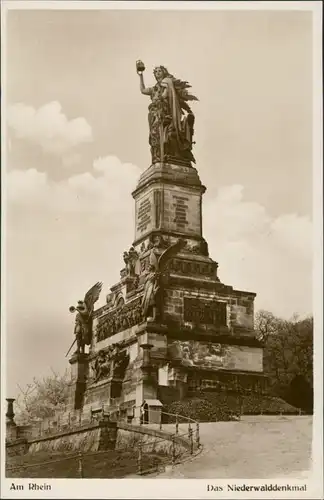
144	214
183	211
180	211
209	312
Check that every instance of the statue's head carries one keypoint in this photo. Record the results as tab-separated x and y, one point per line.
157	240
160	72
186	352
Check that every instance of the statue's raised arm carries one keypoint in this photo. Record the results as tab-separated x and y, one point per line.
140	69
171	120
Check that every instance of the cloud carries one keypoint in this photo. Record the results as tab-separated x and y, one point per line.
271	256
48	127
104	190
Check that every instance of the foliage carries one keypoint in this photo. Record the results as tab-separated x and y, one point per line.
213	406
288	357
198	408
43	398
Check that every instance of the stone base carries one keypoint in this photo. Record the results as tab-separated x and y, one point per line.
108	435
79	372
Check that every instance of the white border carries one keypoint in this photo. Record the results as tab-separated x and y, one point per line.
194	488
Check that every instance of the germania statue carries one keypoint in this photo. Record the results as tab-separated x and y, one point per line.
171	120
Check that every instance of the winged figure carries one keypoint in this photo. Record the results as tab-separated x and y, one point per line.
171	120
152	285
83	319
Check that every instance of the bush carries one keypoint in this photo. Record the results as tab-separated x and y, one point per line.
220	406
199	409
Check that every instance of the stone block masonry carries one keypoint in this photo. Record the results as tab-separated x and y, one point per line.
200	326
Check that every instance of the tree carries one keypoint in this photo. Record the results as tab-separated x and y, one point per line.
288	354
43	398
266	324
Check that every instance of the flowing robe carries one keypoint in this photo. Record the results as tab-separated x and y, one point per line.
150	290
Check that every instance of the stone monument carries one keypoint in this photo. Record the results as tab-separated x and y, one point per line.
169	326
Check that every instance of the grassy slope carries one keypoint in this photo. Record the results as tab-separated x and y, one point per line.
110	464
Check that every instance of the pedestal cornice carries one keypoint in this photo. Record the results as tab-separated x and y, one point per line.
169	174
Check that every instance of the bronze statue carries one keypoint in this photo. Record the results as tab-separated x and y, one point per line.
120	361
152	285
111	363
83	319
102	366
150	297
171	120
131	259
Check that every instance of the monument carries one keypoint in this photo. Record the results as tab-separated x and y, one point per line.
169	326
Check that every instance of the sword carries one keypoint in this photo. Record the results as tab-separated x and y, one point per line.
161	136
74	341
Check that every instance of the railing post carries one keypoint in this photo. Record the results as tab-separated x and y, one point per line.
69	419
173	451
190	439
80	417
197	435
80	468
139	458
177	425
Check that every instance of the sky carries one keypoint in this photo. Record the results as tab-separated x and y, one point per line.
77	142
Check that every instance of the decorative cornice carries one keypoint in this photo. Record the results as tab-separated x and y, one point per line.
220	335
183	176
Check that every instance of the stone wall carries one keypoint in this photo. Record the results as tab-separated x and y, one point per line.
239	306
83	440
152	440
17	447
99	436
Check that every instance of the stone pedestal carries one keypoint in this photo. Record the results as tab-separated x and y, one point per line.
203	327
79	372
114	388
168	199
147	386
178	378
108	434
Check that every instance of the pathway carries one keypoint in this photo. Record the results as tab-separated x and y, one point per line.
255	447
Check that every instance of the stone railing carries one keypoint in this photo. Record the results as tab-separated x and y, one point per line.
154	445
